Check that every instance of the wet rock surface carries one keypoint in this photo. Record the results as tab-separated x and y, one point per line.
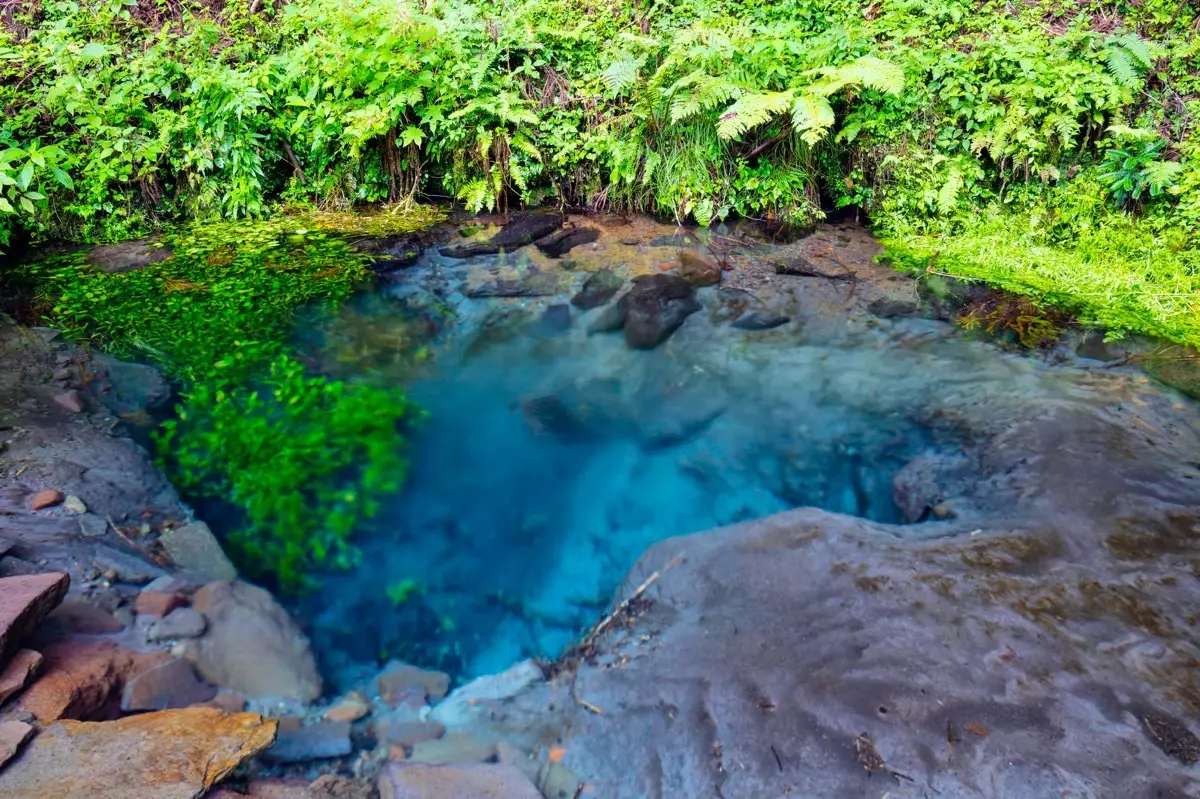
655	308
520	231
175	754
128	256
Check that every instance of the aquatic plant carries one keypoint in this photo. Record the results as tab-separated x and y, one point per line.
303	458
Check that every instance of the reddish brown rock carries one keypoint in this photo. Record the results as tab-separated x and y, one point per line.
351	707
228	701
157	603
83	616
70	400
480	781
24	602
697	269
397	676
18	672
78	680
46	499
174	754
173	684
13	735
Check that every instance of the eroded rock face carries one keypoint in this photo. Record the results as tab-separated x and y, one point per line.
1026	649
252	645
175	754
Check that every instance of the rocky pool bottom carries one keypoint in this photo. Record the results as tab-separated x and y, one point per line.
995	598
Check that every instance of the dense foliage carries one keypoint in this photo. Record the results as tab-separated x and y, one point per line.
302	458
952	123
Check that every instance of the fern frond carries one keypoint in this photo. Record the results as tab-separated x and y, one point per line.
947	196
1121	67
752	110
812	117
622	74
875	73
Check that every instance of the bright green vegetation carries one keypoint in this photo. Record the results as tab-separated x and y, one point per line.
303	458
1047	146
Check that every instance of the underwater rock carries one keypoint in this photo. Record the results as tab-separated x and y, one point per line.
128	256
522	230
600	287
551	415
47	498
390	252
731	304
945	297
478	781
24	602
172	754
397	676
892	307
125	387
556	318
561	242
698	269
531	284
612	318
252	645
761	320
124	567
798	266
655	308
482	695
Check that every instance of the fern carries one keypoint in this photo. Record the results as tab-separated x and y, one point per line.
622	74
812	117
752	110
1128	57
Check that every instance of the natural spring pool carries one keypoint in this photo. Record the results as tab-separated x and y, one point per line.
553	456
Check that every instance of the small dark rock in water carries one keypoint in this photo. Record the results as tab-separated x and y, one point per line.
563	241
390	252
892	307
523	230
672	240
699	269
128	256
761	320
946	296
550	415
599	288
533	284
802	267
556	318
655	308
1094	347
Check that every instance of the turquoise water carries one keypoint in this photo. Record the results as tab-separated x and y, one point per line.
551	459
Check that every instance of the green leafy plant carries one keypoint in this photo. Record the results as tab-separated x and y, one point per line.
1134	172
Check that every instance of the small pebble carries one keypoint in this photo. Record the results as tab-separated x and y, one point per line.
46	499
73	504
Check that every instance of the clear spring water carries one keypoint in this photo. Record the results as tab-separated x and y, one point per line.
551	459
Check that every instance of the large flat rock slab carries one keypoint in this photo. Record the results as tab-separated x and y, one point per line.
477	781
174	754
24	601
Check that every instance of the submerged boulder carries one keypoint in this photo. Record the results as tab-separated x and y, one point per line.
128	256
698	269
563	241
655	308
390	252
600	287
522	230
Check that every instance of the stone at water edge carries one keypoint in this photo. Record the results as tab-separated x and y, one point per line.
13	735
179	623
173	684
478	781
74	505
522	230
474	698
16	675
71	401
157	603
323	740
78	679
252	646
172	754
408	733
350	708
698	269
125	568
396	676
46	499
761	320
456	747
24	602
196	551
563	241
127	256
